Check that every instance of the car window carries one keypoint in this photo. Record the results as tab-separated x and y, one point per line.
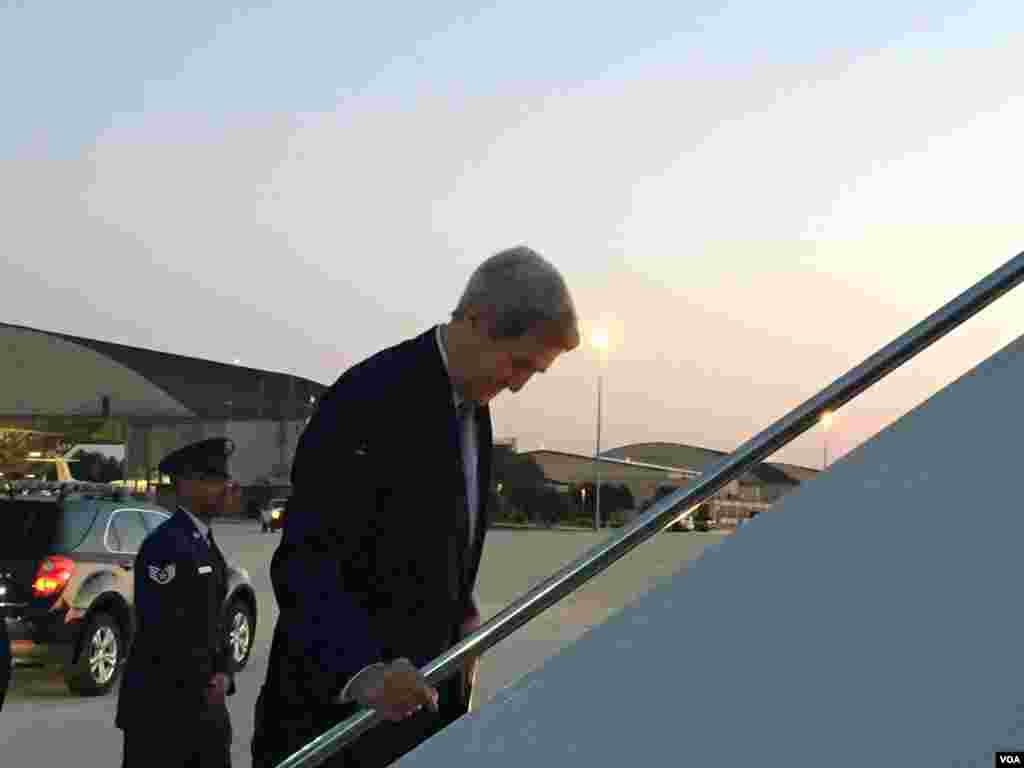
126	531
154	519
76	520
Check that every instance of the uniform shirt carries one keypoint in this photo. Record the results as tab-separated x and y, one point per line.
470	462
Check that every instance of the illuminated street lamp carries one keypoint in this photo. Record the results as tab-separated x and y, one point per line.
599	341
826	422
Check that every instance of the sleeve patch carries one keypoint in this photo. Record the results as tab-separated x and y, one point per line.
163	575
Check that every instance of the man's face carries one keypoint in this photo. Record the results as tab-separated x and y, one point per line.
507	364
205	495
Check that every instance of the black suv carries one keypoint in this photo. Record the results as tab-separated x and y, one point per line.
66	585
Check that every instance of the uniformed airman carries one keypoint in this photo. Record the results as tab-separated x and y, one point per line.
172	705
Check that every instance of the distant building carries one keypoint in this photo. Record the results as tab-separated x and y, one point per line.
150	403
651	470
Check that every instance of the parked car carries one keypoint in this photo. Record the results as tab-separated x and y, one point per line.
67	589
272	515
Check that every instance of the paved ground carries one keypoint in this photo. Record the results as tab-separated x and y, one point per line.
42	724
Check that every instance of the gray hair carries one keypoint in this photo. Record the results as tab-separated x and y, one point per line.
524	291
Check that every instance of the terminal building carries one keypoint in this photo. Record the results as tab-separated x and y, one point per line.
650	470
59	391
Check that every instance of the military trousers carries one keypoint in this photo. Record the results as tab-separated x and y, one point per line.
5	678
200	741
5	662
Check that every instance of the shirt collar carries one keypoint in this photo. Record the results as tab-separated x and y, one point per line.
202	527
456	397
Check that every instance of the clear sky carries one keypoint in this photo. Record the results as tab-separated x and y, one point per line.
753	196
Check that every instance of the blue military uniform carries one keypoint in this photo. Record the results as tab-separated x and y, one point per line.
180	641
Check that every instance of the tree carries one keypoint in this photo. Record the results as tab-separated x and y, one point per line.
95	467
615	498
111	470
522	482
619	499
87	466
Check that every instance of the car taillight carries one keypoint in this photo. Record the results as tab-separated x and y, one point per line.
52	576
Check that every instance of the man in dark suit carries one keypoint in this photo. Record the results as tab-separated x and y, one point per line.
375	578
172	707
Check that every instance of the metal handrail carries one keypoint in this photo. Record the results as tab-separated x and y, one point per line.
664	512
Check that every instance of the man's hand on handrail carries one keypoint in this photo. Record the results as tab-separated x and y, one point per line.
396	690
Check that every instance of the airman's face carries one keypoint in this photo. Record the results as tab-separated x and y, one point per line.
204	495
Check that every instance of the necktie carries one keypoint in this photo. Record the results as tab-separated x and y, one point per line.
462	523
462	411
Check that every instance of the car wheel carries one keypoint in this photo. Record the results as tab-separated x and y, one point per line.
240	631
100	658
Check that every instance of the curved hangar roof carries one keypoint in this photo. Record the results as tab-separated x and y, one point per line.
694	457
54	374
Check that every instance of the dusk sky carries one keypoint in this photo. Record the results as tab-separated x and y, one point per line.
752	196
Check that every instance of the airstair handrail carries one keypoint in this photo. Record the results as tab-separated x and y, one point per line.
665	512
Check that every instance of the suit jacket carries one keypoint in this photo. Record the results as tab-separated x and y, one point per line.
373	564
180	640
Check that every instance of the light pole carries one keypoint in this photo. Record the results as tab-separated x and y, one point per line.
599	340
826	422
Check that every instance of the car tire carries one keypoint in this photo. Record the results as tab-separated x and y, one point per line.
241	631
100	657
